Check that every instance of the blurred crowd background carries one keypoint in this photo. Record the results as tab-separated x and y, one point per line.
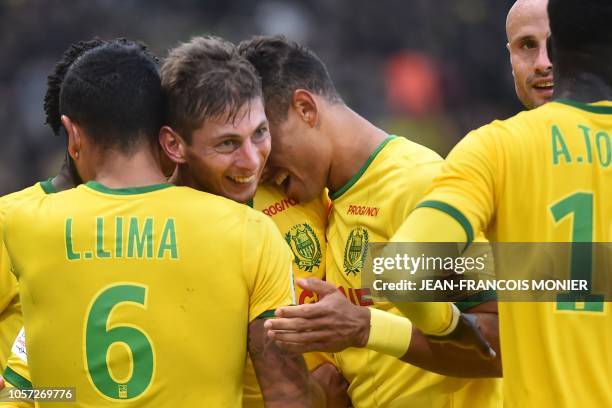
430	70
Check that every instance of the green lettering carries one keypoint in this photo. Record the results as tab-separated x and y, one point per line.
168	241
68	235
100	252
608	157
559	147
140	238
118	237
587	141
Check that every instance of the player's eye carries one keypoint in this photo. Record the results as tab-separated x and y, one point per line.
227	146
260	134
528	45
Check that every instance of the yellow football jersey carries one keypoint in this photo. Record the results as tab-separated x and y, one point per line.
541	176
143	294
303	227
370	208
10	307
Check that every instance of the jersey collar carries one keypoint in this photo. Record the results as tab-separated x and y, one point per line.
362	170
94	185
602	107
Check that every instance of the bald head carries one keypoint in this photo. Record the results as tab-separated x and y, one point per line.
527	30
524	12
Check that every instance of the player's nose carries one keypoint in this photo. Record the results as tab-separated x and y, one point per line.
543	65
250	157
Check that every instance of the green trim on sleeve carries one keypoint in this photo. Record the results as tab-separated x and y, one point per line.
453	212
15	379
602	109
94	185
268	314
47	186
476	299
357	176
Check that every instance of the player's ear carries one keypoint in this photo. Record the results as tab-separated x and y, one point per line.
306	106
75	142
172	144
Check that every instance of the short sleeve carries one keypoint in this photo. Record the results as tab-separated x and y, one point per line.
17	371
268	267
466	188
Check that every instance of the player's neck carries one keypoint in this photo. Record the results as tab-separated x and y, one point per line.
137	169
582	86
66	178
353	140
182	177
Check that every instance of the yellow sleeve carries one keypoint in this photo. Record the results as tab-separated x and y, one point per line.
268	267
8	282
459	202
17	372
13	404
10	307
17	375
465	190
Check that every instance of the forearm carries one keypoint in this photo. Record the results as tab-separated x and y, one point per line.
447	359
282	375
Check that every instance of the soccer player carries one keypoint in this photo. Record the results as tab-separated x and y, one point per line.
375	180
10	315
187	66
543	176
218	135
528	30
135	252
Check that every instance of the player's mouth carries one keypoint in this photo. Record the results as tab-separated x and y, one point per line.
544	86
242	179
281	179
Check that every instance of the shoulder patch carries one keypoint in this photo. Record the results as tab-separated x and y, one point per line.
19	346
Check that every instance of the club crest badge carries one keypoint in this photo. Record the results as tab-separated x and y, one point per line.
355	250
305	247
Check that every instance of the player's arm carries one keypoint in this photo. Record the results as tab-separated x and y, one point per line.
282	375
460	202
334	324
450	360
17	373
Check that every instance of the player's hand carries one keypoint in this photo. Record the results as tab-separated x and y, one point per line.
332	324
467	335
1	383
333	384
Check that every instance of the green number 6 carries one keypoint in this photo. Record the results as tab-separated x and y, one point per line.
99	338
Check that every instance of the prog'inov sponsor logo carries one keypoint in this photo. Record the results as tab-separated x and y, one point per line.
363	210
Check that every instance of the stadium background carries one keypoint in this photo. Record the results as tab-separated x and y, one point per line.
429	70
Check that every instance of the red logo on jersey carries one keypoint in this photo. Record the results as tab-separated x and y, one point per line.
359	297
280	206
308	296
363	210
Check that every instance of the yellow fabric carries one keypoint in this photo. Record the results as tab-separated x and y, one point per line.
508	178
370	208
205	268
10	307
389	334
303	227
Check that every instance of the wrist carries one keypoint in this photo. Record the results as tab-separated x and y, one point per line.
364	326
389	334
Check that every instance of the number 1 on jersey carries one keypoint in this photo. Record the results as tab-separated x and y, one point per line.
581	206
